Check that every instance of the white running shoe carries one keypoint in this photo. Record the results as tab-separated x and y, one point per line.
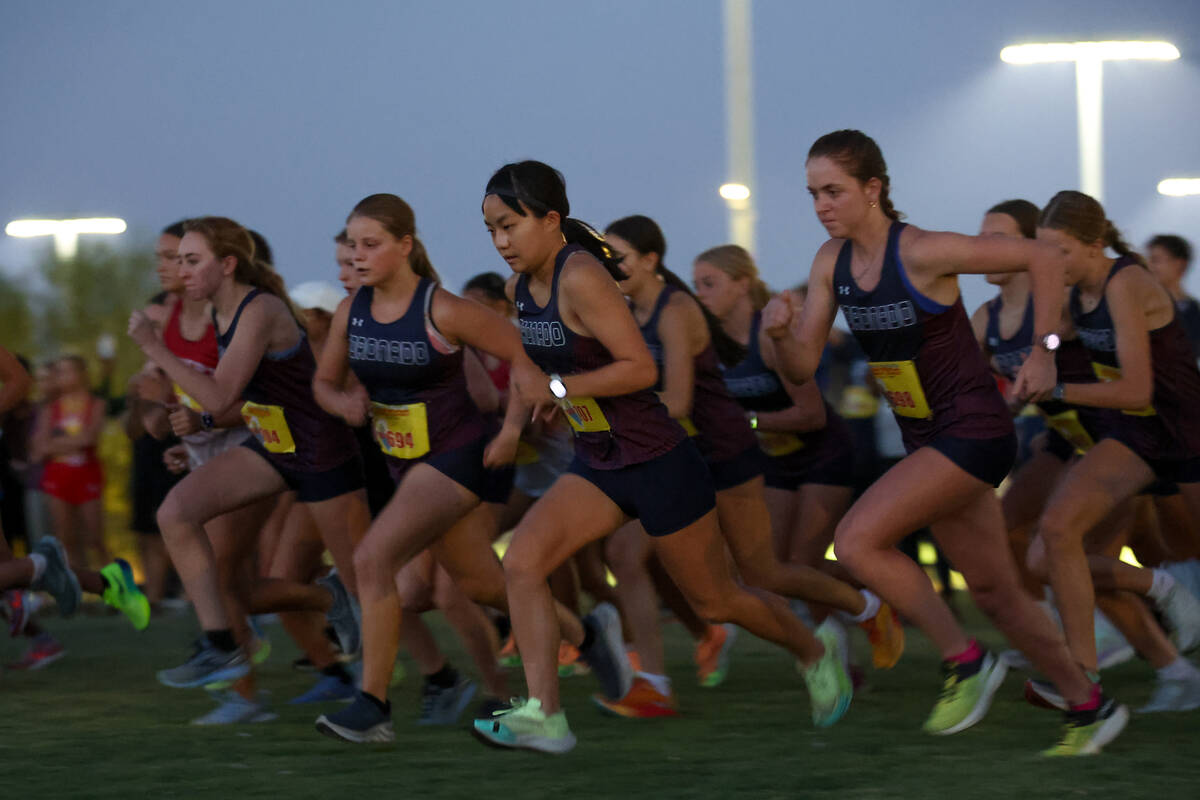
1174	694
1182	610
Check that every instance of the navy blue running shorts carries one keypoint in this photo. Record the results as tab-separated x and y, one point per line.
989	460
748	464
313	487
464	466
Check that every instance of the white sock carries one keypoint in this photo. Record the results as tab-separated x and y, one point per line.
869	610
1179	669
1162	583
39	566
661	683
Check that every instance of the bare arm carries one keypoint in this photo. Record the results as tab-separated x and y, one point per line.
799	337
679	362
479	383
807	412
331	386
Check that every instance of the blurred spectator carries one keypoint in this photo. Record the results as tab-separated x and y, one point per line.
1169	257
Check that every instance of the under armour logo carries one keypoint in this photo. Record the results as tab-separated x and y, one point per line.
357	322
993	341
520	306
844	290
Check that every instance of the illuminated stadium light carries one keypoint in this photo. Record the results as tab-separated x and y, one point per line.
1179	187
65	231
734	192
1089	58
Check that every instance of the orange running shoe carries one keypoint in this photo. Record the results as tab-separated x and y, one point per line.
642	701
568	660
886	635
635	660
508	655
712	654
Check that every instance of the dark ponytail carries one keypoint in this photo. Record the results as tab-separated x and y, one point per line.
398	219
644	236
531	187
1114	240
860	156
1081	216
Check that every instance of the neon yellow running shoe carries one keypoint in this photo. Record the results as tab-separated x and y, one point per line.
1086	732
829	687
123	594
526	726
967	692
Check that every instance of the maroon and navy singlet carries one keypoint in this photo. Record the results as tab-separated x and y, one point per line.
627	446
717	422
421	410
1165	434
824	456
312	450
929	367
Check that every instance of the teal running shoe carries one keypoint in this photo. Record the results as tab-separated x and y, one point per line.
829	687
526	726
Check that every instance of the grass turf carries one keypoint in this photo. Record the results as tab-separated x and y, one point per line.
96	724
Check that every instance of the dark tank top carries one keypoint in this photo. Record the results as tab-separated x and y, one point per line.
1009	354
420	405
1169	427
280	409
757	387
723	431
923	354
610	432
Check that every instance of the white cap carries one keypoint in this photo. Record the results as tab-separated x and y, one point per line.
317	294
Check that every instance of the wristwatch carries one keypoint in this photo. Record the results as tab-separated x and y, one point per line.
1059	391
206	421
1050	342
557	387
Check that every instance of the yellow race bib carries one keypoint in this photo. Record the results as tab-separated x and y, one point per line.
1109	374
186	400
688	426
858	403
585	415
1067	425
270	426
902	388
775	443
401	431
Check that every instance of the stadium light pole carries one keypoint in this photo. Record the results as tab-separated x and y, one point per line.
1089	58
66	232
737	191
1179	187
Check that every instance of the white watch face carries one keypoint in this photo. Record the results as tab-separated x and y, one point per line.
1051	341
558	389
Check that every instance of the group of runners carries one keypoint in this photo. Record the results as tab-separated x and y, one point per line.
612	415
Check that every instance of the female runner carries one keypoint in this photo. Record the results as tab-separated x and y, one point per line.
632	461
266	365
402	335
898	290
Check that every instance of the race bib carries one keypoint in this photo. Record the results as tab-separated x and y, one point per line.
1109	374
902	387
186	400
1067	425
688	426
858	403
270	426
401	431
585	415
775	443
526	454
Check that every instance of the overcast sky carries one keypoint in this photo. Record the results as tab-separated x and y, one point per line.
284	113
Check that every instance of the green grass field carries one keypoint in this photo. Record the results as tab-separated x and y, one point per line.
96	724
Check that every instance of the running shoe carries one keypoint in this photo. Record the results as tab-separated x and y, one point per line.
490	706
232	709
829	687
123	594
58	579
1182	610
526	726
444	705
1174	694
343	614
568	660
712	654
967	692
508	655
1086	732
606	655
328	689
17	611
42	652
1044	694
1015	659
886	635
361	722
642	702
206	665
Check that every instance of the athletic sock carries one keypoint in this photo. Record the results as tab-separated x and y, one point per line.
39	566
1162	583
973	653
661	683
871	608
444	678
1093	701
336	670
383	705
589	637
1179	669
222	640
